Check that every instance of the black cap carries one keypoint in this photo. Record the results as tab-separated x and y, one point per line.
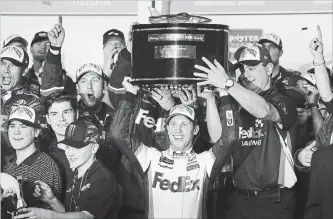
80	133
40	36
110	33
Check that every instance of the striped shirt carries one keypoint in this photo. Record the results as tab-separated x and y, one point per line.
38	166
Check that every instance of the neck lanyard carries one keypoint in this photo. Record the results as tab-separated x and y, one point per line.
83	181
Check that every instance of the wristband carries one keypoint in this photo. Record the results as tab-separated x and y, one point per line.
319	63
56	48
311	105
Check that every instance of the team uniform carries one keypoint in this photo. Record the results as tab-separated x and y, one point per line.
263	163
177	181
171	184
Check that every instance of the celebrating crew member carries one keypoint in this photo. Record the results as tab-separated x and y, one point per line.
113	43
320	199
28	163
263	162
178	173
45	48
93	191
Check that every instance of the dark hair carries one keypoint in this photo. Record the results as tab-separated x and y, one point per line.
58	97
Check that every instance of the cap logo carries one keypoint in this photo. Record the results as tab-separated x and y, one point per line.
42	34
13	51
113	33
275	37
23	112
21	102
90	67
71	130
248	52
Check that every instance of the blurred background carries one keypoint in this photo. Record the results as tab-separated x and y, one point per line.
86	21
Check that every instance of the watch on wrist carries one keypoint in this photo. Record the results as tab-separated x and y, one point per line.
229	83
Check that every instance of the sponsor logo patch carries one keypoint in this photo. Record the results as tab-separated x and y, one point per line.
192	167
184	183
230	117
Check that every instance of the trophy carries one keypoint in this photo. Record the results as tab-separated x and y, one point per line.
165	51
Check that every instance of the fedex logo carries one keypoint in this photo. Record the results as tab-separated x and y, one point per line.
149	122
184	183
251	133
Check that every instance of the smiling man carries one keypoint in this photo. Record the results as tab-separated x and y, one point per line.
29	163
263	172
61	111
174	180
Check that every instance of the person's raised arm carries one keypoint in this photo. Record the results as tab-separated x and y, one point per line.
321	74
250	101
214	125
52	77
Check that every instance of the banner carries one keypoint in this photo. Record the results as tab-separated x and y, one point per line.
72	7
239	37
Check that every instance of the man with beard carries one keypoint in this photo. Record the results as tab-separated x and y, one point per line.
263	172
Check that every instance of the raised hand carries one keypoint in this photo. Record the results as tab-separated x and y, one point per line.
188	96
205	93
214	75
316	46
57	34
130	87
163	97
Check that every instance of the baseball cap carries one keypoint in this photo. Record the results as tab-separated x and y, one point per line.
28	109
184	110
110	33
252	54
14	38
40	36
308	77
89	67
80	133
24	114
272	38
16	55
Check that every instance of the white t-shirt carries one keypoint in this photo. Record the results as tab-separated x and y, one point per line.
175	181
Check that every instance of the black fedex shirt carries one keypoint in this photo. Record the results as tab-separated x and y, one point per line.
96	192
260	145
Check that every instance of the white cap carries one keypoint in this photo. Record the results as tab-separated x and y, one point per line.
89	67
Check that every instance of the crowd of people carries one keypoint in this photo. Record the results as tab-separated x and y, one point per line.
258	145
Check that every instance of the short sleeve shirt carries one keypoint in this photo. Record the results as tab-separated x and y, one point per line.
260	145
